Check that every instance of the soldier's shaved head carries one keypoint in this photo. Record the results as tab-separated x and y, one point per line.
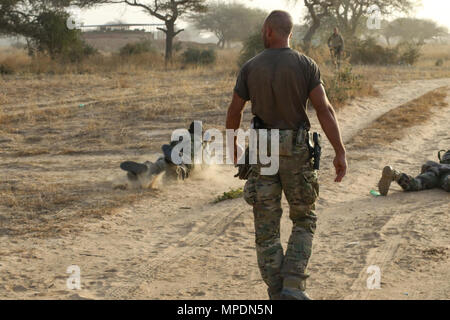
280	22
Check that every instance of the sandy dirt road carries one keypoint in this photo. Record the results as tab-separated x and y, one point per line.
180	245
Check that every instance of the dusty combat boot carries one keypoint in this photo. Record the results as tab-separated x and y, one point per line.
134	167
294	289
274	294
388	176
142	171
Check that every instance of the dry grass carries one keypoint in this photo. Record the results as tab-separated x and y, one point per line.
12	60
63	136
16	61
424	69
392	125
64	129
50	209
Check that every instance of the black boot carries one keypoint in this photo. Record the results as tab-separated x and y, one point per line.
133	167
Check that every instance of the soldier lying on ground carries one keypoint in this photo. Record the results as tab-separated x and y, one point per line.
145	172
433	175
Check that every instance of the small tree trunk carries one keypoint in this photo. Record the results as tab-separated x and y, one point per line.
221	43
170	35
307	39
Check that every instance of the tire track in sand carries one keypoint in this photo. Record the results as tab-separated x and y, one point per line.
385	254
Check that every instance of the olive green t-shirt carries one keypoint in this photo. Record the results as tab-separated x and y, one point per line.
278	83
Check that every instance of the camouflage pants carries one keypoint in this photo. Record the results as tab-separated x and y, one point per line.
336	53
298	180
427	180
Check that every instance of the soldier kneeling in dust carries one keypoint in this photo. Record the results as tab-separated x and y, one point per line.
142	174
433	175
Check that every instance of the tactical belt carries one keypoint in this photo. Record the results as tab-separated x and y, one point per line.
299	136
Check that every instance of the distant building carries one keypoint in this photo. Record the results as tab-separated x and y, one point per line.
114	28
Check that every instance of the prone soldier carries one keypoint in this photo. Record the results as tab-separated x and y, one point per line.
143	173
433	175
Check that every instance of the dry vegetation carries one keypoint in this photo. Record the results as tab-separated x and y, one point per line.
392	125
63	136
65	128
426	67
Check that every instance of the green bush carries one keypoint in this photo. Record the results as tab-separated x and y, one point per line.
232	194
77	52
52	37
409	53
198	56
344	85
251	47
369	52
5	69
137	48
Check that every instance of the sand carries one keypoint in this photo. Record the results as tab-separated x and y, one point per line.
180	245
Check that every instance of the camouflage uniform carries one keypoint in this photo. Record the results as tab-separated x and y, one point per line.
433	175
336	45
278	82
299	182
164	163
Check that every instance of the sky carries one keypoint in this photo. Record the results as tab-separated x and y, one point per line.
437	10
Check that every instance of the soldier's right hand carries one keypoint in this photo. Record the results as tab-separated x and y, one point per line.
340	164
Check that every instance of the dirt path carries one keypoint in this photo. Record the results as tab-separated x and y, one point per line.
178	244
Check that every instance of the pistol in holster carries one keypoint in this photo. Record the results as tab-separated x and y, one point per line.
315	149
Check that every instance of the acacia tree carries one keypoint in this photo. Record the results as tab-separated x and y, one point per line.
42	24
413	29
350	15
168	11
19	17
229	21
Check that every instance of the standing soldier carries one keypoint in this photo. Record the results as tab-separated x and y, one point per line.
336	45
278	82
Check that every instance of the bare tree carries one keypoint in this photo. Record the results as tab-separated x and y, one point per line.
317	11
